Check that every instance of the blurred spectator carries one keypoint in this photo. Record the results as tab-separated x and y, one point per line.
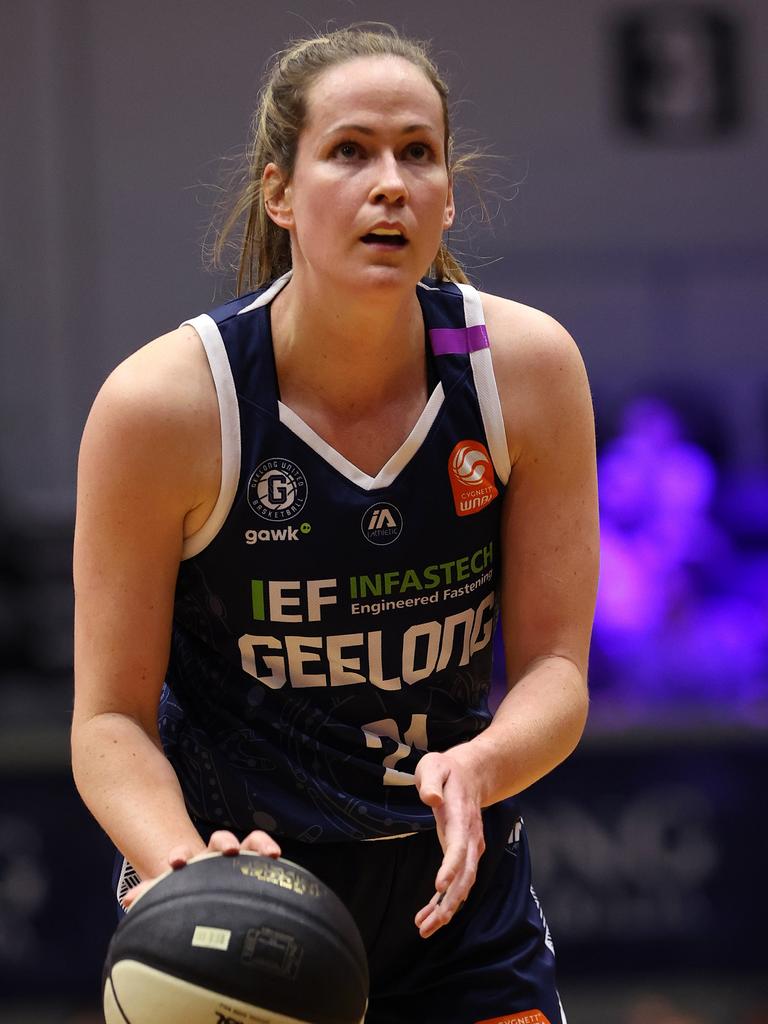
682	615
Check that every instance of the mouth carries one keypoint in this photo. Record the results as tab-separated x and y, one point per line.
389	237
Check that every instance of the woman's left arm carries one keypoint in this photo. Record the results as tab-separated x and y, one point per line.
550	557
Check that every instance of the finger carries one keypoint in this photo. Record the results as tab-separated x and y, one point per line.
427	910
133	894
436	918
437	914
450	868
261	842
455	880
431	781
179	856
461	856
224	842
463	842
456	846
449	900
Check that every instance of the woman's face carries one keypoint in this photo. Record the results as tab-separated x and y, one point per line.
370	195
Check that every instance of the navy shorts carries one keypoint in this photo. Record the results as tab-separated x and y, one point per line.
493	963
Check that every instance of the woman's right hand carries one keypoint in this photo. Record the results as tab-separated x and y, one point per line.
223	842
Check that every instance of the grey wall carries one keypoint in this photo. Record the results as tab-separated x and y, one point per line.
113	113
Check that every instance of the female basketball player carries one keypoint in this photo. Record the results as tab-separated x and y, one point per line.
300	513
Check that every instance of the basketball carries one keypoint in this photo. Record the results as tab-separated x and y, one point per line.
236	940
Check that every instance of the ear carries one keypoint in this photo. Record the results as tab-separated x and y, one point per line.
450	209
277	196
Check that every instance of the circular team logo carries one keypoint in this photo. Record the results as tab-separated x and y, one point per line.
469	465
277	490
382	523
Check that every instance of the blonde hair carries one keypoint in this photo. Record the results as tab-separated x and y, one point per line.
264	250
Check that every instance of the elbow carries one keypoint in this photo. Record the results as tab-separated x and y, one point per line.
574	703
579	704
96	738
580	716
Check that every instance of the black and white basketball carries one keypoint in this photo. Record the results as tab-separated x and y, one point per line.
236	940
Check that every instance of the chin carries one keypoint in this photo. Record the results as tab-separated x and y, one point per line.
381	277
371	279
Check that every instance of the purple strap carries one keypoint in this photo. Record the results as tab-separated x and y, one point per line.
456	341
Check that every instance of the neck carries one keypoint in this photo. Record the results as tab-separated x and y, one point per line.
345	351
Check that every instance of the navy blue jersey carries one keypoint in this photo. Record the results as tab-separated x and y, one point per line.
329	626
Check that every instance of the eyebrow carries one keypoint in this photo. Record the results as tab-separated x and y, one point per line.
365	130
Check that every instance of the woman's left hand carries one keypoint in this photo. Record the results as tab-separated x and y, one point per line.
453	793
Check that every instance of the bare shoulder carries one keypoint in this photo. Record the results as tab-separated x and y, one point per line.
156	415
523	335
539	370
167	377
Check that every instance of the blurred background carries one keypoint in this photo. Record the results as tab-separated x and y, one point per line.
628	192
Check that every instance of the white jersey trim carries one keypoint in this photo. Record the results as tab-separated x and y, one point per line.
229	418
266	297
395	465
485	386
213	343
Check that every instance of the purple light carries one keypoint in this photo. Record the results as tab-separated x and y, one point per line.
682	612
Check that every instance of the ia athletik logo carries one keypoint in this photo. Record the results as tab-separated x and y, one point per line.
470	471
277	490
382	523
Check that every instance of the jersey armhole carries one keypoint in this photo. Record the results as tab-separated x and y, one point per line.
485	386
229	419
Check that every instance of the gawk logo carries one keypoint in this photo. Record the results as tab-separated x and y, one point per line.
470	471
277	533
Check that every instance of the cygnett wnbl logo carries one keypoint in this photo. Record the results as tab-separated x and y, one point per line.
470	471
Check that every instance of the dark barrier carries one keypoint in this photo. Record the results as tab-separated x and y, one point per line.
646	857
55	869
653	856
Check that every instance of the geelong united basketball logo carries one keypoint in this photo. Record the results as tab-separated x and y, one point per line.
277	490
471	474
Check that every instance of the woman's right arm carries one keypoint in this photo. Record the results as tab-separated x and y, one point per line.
148	475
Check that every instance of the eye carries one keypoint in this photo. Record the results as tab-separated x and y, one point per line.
348	150
419	151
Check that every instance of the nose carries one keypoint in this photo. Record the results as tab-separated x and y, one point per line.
388	185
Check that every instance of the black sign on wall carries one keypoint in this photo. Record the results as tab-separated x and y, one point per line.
680	74
652	858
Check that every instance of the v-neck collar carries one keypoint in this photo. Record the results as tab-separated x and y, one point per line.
293	422
394	465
